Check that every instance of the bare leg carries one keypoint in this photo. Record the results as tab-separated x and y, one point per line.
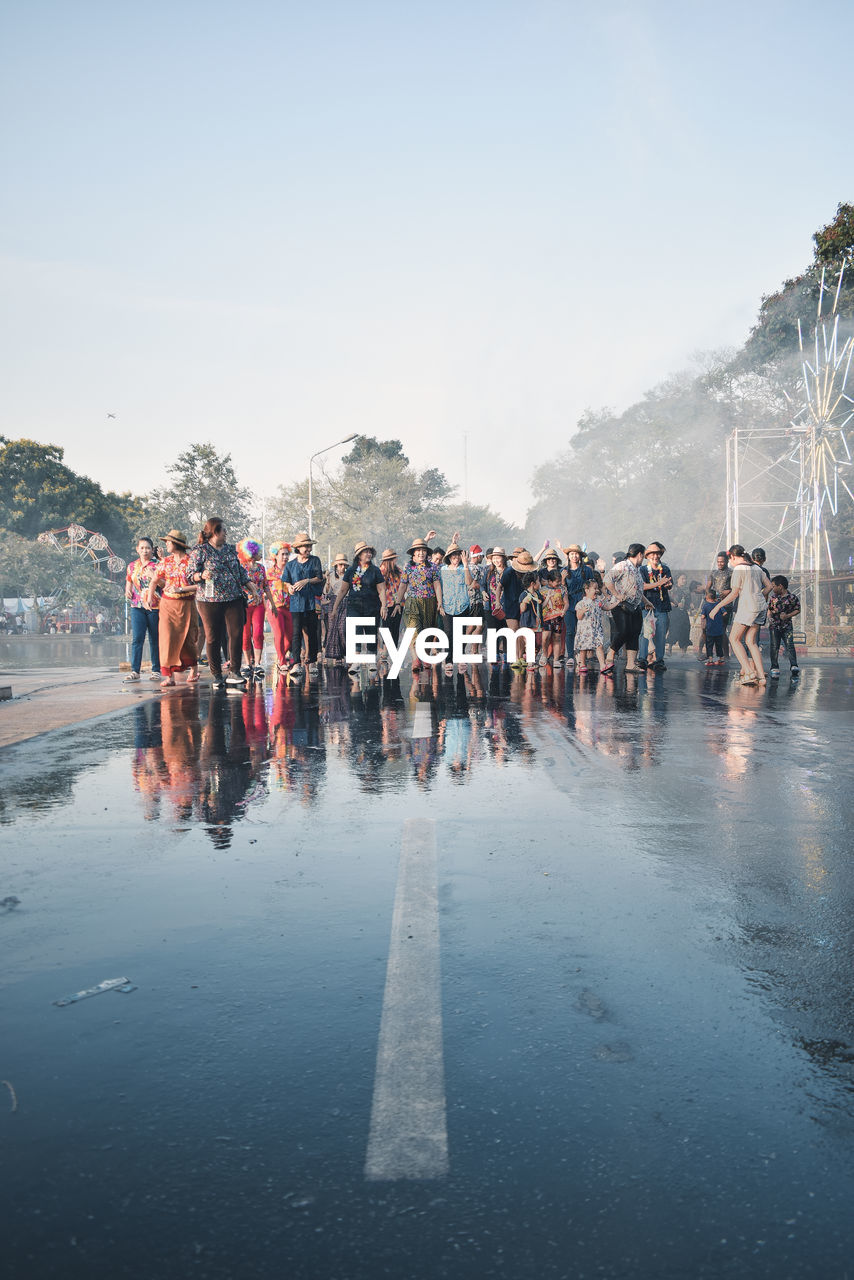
736	637
752	642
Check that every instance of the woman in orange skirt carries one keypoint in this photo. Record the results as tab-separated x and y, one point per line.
179	627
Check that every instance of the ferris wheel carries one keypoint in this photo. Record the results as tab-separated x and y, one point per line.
85	546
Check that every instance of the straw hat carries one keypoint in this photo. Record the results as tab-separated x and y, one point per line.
388	554
524	563
656	547
498	551
551	553
517	551
174	536
303	540
341	559
573	546
363	546
453	550
418	545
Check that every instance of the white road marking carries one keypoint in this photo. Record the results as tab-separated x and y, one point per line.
422	725
409	1132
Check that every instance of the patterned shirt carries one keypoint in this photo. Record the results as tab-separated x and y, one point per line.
786	603
277	589
419	580
257	574
626	580
229	577
140	573
173	571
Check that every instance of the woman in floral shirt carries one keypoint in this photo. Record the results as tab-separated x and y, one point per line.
178	634
143	621
223	585
420	592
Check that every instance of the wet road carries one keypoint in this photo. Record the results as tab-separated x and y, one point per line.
530	980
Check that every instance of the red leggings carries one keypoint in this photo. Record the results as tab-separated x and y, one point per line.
253	631
282	625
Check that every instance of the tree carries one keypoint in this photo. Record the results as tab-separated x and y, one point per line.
375	494
203	484
38	491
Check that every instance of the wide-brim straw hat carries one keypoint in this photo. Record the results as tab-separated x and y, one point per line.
174	535
303	540
341	559
388	554
418	545
363	546
517	551
573	546
453	550
498	551
551	553
524	563
656	546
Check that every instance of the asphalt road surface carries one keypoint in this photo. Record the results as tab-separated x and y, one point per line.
540	979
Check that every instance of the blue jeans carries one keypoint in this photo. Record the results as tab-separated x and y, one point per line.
144	622
657	640
786	638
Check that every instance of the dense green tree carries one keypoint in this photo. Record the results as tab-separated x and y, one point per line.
38	491
202	483
374	494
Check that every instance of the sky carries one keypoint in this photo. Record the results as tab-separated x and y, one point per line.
455	223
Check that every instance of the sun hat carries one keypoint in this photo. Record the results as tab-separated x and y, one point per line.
498	551
658	547
303	540
388	554
550	553
573	546
517	551
453	550
418	545
524	563
341	559
174	535
363	546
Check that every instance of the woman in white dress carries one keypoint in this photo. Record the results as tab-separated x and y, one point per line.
749	587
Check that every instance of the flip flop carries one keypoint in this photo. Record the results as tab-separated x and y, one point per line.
608	670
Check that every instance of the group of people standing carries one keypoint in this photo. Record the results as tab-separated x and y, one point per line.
564	595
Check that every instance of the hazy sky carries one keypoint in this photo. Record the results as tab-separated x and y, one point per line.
274	224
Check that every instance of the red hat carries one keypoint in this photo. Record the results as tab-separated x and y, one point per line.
475	550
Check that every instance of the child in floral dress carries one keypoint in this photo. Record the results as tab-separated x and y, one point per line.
590	633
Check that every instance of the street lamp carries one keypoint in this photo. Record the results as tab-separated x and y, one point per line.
310	507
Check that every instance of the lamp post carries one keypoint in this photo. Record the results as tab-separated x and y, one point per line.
310	507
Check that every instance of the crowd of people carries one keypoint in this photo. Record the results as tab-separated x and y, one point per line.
217	595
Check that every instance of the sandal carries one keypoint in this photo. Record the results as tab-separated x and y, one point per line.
607	670
582	671
193	677
167	683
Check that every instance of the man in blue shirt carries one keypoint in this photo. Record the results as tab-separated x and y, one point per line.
305	575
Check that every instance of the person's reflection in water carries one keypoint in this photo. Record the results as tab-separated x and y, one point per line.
229	763
366	746
181	734
147	768
298	744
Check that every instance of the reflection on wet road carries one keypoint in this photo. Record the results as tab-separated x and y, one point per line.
503	976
